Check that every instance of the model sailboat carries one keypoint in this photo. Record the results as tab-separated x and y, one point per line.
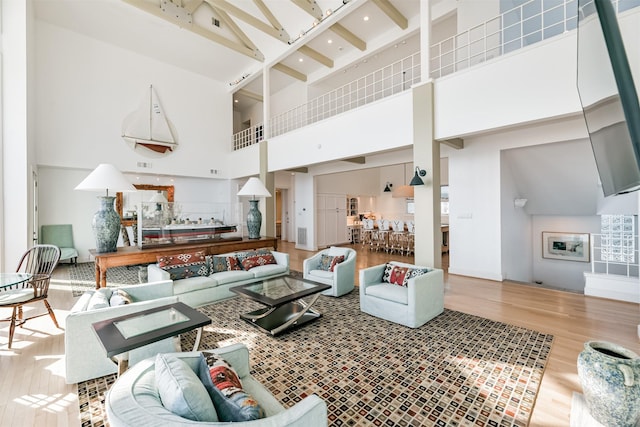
148	127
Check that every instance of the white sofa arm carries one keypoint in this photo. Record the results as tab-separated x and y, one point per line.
85	357
312	262
426	294
155	273
371	275
282	258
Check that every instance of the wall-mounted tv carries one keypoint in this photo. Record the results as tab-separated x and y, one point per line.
608	96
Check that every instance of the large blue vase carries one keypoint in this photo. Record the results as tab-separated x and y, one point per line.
610	378
254	220
106	226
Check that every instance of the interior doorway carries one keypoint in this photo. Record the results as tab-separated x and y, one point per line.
283	220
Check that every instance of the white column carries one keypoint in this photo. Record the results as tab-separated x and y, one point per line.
425	39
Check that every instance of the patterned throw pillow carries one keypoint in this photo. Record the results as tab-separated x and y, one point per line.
232	403
258	260
396	275
248	254
185	265
224	263
328	262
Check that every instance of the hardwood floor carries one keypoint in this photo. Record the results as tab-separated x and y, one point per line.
33	391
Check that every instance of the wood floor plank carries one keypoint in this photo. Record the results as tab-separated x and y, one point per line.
34	369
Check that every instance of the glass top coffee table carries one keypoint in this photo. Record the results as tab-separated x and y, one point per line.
123	333
283	298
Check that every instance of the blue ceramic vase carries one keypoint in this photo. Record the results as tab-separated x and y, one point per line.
106	226
610	379
254	220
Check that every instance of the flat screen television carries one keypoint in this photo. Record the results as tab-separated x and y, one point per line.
608	97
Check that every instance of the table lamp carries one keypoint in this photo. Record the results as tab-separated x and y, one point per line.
253	188
106	222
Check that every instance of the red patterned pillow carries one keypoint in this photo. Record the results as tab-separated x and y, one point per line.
397	275
185	265
258	260
224	263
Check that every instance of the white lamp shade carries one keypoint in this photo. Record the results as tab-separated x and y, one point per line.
158	197
253	188
105	177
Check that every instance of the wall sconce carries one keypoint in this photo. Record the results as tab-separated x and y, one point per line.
416	180
387	188
519	203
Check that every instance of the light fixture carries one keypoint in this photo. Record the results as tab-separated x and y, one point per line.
387	188
416	180
106	222
253	188
519	203
159	199
405	191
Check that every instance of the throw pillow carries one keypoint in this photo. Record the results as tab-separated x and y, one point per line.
185	265
247	254
328	262
181	391
99	299
224	263
119	297
257	260
232	403
396	275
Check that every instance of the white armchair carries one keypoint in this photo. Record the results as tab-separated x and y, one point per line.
341	279
412	305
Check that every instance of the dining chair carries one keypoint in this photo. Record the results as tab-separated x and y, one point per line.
39	261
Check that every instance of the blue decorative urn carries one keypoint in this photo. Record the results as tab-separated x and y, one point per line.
106	226
610	378
254	220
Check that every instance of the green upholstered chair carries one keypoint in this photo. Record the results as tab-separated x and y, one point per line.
60	235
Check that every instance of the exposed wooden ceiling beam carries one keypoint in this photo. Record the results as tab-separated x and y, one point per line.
309	6
250	19
393	13
290	71
457	143
224	16
314	54
349	36
249	94
156	11
193	5
361	160
270	16
300	170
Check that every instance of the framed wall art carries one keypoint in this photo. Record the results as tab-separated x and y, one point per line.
565	246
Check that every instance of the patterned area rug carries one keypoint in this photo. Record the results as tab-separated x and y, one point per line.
83	277
457	370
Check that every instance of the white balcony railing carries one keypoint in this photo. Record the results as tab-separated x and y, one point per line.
386	81
514	29
618	256
251	135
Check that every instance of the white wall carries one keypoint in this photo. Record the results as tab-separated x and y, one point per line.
85	89
559	273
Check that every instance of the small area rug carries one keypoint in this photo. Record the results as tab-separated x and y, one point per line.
83	277
457	370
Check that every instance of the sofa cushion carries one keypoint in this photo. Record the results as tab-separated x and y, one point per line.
389	292
256	261
328	262
323	274
119	297
184	265
224	263
226	277
191	284
99	299
181	391
268	270
232	403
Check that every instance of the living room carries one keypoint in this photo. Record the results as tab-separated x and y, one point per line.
83	91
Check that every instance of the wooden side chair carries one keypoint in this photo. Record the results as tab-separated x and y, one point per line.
39	261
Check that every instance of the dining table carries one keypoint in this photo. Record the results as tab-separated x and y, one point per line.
7	280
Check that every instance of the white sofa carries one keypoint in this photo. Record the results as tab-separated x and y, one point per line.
202	290
341	279
85	357
412	305
134	400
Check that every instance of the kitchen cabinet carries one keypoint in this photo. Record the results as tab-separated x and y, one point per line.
331	219
352	204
